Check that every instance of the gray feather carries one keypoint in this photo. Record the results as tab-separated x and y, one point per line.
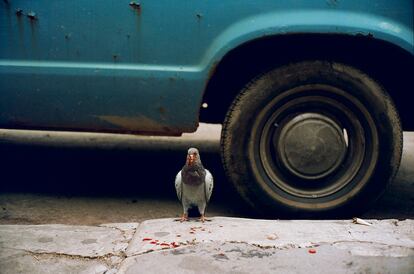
178	186
208	186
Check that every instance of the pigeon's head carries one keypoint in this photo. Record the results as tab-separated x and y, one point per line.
193	156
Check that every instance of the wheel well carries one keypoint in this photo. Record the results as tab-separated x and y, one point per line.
386	63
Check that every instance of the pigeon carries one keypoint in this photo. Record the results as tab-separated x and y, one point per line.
194	185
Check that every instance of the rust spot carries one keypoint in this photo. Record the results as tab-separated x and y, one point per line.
135	124
19	12
162	110
136	6
32	15
212	71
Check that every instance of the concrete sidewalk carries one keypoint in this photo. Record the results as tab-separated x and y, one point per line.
222	245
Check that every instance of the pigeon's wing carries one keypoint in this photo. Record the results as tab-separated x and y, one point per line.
179	186
208	186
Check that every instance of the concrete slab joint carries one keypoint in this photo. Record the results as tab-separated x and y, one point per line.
63	248
221	245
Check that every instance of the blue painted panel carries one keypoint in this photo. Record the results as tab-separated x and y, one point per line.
109	66
98	97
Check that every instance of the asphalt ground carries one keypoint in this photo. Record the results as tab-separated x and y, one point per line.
89	179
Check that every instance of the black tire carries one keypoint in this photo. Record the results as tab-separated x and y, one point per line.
314	138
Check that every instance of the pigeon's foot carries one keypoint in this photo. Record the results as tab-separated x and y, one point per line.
204	219
184	218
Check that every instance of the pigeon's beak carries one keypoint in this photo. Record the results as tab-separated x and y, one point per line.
191	159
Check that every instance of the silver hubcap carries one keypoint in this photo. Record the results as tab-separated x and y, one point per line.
311	146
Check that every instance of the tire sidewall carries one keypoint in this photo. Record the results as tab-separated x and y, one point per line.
239	128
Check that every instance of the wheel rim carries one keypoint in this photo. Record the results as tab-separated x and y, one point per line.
314	141
311	146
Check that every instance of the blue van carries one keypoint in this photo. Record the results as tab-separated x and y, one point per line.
313	95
